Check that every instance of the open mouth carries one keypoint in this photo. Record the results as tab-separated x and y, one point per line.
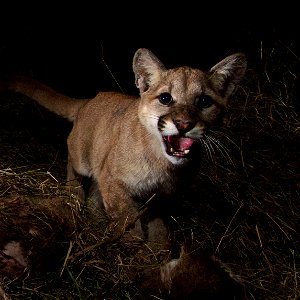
177	145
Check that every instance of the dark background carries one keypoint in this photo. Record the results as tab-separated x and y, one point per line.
71	46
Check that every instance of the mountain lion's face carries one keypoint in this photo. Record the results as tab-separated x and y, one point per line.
180	105
179	110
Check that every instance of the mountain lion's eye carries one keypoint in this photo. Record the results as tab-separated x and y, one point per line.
165	98
203	101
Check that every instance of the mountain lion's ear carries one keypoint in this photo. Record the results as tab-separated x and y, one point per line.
227	73
147	69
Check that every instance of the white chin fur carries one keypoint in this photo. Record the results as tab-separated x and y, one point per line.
175	160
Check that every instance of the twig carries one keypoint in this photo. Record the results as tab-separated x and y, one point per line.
227	229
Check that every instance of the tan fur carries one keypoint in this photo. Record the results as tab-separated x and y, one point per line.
118	140
193	275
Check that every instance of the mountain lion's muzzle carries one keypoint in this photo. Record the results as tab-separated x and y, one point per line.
180	132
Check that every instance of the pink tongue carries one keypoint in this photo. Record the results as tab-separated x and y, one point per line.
181	143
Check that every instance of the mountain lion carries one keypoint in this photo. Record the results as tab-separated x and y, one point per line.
135	147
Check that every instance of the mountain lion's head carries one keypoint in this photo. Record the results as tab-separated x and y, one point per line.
180	105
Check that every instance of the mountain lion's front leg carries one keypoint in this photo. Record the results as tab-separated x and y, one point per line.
125	211
121	207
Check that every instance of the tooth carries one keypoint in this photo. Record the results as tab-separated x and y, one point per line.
171	149
186	151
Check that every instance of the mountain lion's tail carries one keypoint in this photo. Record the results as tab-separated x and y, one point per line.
61	105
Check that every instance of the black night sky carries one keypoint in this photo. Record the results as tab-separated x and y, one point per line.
72	46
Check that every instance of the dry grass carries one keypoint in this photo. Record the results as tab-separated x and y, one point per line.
248	213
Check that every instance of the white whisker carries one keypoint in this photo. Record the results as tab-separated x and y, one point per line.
208	149
214	142
223	134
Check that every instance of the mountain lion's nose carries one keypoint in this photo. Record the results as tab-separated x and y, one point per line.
184	125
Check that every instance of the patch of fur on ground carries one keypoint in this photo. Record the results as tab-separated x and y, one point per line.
34	232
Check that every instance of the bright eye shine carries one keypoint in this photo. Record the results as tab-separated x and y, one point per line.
165	98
